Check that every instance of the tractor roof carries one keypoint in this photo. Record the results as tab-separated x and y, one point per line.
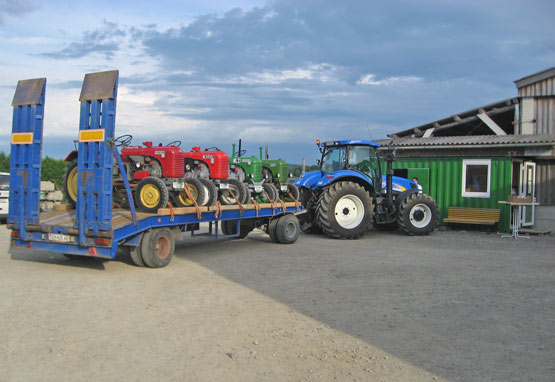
355	142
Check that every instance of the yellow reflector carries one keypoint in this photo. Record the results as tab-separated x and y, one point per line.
96	135
22	138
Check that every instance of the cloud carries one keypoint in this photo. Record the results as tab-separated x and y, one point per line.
105	41
17	8
370	79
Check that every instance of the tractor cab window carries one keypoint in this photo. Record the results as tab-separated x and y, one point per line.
333	158
364	159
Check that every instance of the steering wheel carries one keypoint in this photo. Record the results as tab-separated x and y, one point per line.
174	143
242	152
123	140
213	148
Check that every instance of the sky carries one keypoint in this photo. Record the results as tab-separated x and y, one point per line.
286	72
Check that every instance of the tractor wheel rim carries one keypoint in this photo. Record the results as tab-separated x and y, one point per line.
162	247
349	211
184	199
72	183
226	196
150	196
420	215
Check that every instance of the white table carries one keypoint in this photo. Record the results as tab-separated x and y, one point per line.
516	216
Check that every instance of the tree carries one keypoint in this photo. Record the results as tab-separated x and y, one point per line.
53	170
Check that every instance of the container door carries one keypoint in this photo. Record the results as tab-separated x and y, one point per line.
527	188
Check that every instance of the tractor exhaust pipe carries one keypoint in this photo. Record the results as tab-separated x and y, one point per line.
239	152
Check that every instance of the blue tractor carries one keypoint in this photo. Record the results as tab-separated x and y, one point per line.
349	193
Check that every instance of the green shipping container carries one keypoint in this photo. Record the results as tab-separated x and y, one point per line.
442	179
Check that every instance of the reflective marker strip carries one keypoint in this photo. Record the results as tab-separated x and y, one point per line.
95	135
22	138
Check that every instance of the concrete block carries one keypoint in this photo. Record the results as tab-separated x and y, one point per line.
55	196
47	186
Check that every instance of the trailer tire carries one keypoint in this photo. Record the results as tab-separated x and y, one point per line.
344	210
157	247
136	255
272	230
418	214
70	183
287	229
211	190
151	194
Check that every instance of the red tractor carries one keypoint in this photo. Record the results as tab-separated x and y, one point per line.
156	175
213	164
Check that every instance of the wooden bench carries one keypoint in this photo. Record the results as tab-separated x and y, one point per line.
464	215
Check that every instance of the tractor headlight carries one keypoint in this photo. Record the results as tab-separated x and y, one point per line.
290	175
277	175
251	176
266	176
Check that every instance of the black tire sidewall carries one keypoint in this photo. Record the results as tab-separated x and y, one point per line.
163	194
404	214
148	247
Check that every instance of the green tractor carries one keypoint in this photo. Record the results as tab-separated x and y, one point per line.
248	170
275	171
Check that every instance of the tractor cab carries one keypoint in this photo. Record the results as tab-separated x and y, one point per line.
359	156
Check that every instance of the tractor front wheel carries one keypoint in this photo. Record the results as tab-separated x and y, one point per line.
344	210
418	215
151	194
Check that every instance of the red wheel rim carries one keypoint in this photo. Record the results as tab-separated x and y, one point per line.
163	247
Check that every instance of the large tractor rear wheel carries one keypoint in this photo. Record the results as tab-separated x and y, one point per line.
344	210
151	194
70	183
418	214
197	191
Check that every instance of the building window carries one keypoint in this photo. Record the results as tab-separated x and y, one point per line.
476	178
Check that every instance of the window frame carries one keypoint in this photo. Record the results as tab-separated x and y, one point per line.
475	194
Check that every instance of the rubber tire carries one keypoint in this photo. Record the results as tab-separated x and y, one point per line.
150	244
245	193
72	167
162	189
211	190
294	191
229	227
136	255
195	186
272	192
287	229
327	202
272	230
410	202
238	190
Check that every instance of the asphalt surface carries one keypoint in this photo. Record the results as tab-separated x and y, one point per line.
459	306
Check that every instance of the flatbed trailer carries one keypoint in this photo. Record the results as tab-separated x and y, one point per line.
95	228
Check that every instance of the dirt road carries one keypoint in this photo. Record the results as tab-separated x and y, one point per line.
452	306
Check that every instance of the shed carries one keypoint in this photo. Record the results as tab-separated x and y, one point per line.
481	156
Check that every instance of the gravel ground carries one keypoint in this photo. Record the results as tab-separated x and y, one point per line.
455	305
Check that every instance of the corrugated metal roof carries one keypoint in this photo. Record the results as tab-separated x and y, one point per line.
476	140
536	77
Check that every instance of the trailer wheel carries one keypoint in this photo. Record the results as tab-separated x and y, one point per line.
211	191
237	188
136	255
272	230
344	210
418	214
197	190
70	183
287	229
157	247
151	194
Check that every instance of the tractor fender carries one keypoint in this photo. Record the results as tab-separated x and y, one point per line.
71	156
402	196
308	179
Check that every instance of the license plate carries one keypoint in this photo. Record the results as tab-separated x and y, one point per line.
178	185
224	186
258	189
59	237
283	188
